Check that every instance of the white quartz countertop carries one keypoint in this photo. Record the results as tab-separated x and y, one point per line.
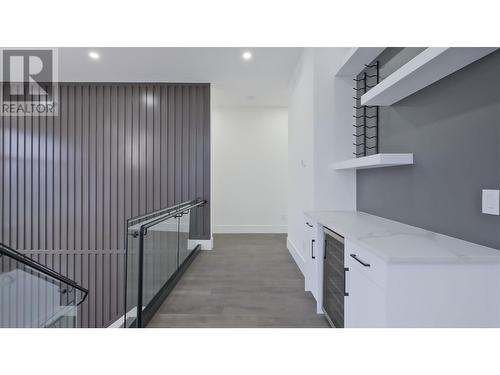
400	243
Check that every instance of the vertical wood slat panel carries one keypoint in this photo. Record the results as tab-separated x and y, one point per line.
49	218
114	171
200	154
78	167
20	182
99	201
185	144
57	184
115	151
149	148
92	168
104	303
85	168
70	167
136	149
171	145
205	227
143	136
3	162
163	98
157	173
28	196
63	165
5	178
85	309
13	180
106	168
178	143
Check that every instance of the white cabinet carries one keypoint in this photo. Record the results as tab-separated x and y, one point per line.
410	294
362	282
365	302
310	249
403	276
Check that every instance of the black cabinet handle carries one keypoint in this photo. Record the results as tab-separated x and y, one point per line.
346	294
324	251
309	225
359	260
312	249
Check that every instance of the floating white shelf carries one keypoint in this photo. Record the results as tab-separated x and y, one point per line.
429	66
356	59
375	161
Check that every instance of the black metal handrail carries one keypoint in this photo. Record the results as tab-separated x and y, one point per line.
27	261
163	211
179	211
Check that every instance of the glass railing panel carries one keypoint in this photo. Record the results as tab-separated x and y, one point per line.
30	299
160	241
185	246
160	256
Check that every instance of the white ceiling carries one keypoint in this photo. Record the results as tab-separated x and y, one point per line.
263	80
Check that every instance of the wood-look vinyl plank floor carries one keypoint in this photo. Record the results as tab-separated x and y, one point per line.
246	281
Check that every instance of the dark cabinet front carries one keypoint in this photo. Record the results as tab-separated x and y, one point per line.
334	278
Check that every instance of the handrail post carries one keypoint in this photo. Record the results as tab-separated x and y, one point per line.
140	277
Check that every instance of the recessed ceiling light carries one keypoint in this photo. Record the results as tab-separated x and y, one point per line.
94	55
247	55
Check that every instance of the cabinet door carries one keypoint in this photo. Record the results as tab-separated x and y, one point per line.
365	305
310	249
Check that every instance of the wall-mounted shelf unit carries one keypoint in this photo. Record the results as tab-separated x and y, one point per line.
424	69
355	60
375	161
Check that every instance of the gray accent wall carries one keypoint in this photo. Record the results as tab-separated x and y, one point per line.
115	151
453	129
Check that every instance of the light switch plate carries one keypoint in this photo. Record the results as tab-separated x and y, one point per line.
491	202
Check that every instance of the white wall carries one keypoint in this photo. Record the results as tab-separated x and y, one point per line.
320	133
333	190
300	153
250	167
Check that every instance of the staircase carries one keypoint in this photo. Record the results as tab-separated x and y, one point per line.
35	296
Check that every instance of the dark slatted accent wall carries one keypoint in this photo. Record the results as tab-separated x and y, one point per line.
115	151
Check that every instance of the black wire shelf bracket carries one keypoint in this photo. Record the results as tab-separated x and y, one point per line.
364	81
364	88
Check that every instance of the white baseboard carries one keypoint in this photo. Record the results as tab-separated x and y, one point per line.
299	259
250	229
118	323
205	244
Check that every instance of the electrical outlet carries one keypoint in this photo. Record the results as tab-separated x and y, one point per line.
491	202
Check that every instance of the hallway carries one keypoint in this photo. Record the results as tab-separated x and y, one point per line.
248	280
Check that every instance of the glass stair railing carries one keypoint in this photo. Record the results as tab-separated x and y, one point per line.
35	296
158	251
